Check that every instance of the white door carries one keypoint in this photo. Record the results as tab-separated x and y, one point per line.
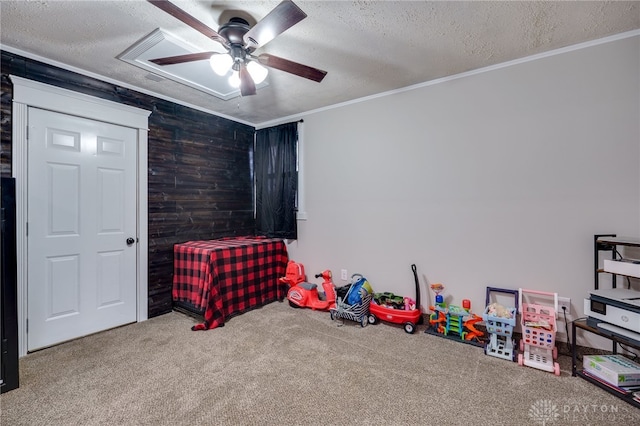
81	211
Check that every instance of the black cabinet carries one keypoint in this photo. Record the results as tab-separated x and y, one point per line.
8	289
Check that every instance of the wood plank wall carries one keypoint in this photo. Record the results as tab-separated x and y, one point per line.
200	176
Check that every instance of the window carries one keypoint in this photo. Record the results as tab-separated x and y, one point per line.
276	180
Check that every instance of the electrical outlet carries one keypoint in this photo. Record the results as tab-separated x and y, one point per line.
566	303
343	275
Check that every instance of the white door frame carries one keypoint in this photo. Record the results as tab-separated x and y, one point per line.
29	93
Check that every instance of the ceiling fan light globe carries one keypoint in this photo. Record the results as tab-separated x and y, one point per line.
258	72
234	80
220	63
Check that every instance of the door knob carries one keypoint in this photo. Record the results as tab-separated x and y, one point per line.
130	241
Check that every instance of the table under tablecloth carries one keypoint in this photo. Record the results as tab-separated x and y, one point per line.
225	277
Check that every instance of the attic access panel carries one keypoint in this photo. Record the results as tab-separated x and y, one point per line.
198	74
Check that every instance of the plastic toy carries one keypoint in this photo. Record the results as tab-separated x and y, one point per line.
470	332
437	289
500	321
294	274
305	294
389	300
537	345
359	311
408	317
454	322
354	296
409	304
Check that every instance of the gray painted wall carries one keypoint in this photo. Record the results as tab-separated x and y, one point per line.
496	178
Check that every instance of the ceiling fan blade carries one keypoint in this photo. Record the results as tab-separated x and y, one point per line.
247	86
281	18
183	16
189	57
286	65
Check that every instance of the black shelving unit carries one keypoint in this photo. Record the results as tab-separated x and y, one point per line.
606	244
598	248
615	339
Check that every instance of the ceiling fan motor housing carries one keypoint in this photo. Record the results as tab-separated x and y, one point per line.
234	31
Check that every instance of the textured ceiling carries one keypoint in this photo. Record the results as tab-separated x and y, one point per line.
367	47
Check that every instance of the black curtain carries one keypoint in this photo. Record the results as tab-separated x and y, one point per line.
276	174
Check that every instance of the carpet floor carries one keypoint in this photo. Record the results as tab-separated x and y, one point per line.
283	366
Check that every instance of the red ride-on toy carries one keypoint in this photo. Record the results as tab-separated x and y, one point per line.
294	274
306	295
408	318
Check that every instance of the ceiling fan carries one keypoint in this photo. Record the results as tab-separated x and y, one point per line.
240	40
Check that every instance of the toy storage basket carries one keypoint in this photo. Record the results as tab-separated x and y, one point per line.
500	325
539	321
358	312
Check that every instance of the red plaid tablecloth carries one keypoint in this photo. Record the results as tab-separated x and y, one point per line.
219	278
